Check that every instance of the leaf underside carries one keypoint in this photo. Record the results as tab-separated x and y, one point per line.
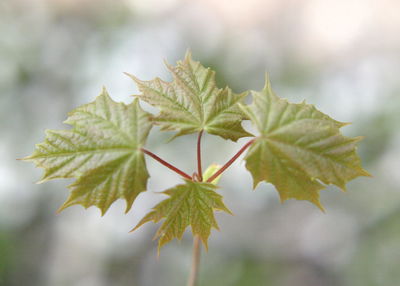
101	151
190	204
300	150
192	102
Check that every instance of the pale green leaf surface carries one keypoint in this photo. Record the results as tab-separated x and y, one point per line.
102	151
300	149
190	204
192	102
211	170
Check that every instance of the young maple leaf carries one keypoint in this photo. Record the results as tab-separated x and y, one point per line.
192	102
299	148
102	151
192	203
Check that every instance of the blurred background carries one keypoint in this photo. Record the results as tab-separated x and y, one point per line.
343	56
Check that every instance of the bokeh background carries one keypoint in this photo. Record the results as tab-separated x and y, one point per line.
343	56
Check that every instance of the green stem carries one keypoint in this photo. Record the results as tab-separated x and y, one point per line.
194	271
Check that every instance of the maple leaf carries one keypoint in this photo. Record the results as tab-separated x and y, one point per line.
192	102
192	203
102	151
299	149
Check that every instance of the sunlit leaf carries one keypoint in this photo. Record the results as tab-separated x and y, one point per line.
192	102
299	149
190	204
102	151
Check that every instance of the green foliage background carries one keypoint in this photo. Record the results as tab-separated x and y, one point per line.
55	55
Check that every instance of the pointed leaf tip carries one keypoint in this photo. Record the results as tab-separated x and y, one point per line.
134	78
267	82
188	54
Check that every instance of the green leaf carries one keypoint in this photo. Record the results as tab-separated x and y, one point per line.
102	151
192	102
300	149
211	170
192	203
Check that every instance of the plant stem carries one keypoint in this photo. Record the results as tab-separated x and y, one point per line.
166	164
199	170
227	164
196	239
195	261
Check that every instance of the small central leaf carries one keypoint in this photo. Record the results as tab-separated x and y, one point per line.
192	102
190	204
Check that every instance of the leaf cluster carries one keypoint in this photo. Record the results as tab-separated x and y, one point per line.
298	149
